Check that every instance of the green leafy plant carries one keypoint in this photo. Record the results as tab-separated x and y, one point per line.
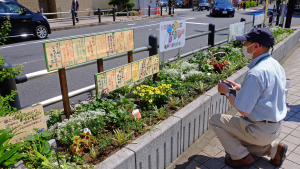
121	136
161	112
174	103
38	152
106	141
9	154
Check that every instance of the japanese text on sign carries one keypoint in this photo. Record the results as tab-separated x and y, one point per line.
69	52
119	77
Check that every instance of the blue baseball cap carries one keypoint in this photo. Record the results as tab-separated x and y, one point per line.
263	36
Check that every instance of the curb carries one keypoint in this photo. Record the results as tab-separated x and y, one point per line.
106	23
160	147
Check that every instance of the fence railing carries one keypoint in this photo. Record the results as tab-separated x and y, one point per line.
99	11
152	47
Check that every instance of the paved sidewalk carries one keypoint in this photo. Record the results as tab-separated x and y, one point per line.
208	153
105	20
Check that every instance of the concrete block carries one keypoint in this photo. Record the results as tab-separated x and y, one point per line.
123	159
159	147
193	117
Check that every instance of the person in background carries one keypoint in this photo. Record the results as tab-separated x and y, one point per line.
75	6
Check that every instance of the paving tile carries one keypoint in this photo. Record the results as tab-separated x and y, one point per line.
282	135
201	167
290	124
221	156
286	130
291	146
292	139
202	158
217	143
293	109
290	113
296	133
181	163
294	120
193	150
263	164
192	165
297	115
294	158
298	128
287	117
287	164
297	150
226	167
210	150
213	164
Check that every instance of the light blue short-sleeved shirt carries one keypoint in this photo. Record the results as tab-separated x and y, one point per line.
262	95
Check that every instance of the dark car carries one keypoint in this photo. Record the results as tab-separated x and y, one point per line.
164	3
23	21
203	5
180	4
222	8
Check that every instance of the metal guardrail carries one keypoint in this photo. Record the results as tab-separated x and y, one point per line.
43	73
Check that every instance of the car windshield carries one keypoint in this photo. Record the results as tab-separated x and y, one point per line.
202	1
223	2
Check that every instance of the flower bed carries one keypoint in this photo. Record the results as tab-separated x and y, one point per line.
111	123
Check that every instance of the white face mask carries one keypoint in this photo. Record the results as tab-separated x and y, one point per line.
245	52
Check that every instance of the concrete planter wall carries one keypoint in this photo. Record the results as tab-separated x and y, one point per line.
160	147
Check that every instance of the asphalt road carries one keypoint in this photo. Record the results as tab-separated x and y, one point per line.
30	51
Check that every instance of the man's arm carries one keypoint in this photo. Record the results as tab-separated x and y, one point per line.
222	88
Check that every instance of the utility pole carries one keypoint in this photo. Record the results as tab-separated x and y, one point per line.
266	11
291	7
170	2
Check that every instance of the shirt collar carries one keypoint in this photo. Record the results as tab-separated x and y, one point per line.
253	62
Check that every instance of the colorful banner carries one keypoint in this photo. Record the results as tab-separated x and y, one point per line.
70	52
237	29
258	19
111	80
172	35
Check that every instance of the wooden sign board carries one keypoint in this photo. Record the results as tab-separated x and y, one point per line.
70	52
111	80
25	126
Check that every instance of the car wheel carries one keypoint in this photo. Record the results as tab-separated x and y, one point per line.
207	9
193	9
41	32
198	9
232	15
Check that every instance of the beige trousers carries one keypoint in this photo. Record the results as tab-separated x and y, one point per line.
240	136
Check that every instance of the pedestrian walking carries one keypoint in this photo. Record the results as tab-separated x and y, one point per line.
75	6
261	101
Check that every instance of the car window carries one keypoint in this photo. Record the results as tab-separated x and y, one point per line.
13	8
202	1
3	7
223	2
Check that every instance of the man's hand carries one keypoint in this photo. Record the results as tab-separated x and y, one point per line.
223	88
235	85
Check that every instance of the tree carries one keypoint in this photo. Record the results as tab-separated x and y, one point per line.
128	4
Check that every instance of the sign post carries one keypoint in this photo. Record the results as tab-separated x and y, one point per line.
266	12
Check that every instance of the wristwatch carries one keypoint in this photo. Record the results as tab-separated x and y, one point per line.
227	94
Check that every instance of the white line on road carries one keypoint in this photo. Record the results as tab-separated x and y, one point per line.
132	24
196	23
42	41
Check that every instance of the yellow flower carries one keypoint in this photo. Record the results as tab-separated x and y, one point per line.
163	93
143	91
150	101
151	93
170	92
138	88
135	92
147	98
157	92
141	94
170	85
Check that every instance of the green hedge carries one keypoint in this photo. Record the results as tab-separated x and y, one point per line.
249	4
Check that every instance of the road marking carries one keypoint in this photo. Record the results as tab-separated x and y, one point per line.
197	23
132	24
69	37
189	18
150	29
